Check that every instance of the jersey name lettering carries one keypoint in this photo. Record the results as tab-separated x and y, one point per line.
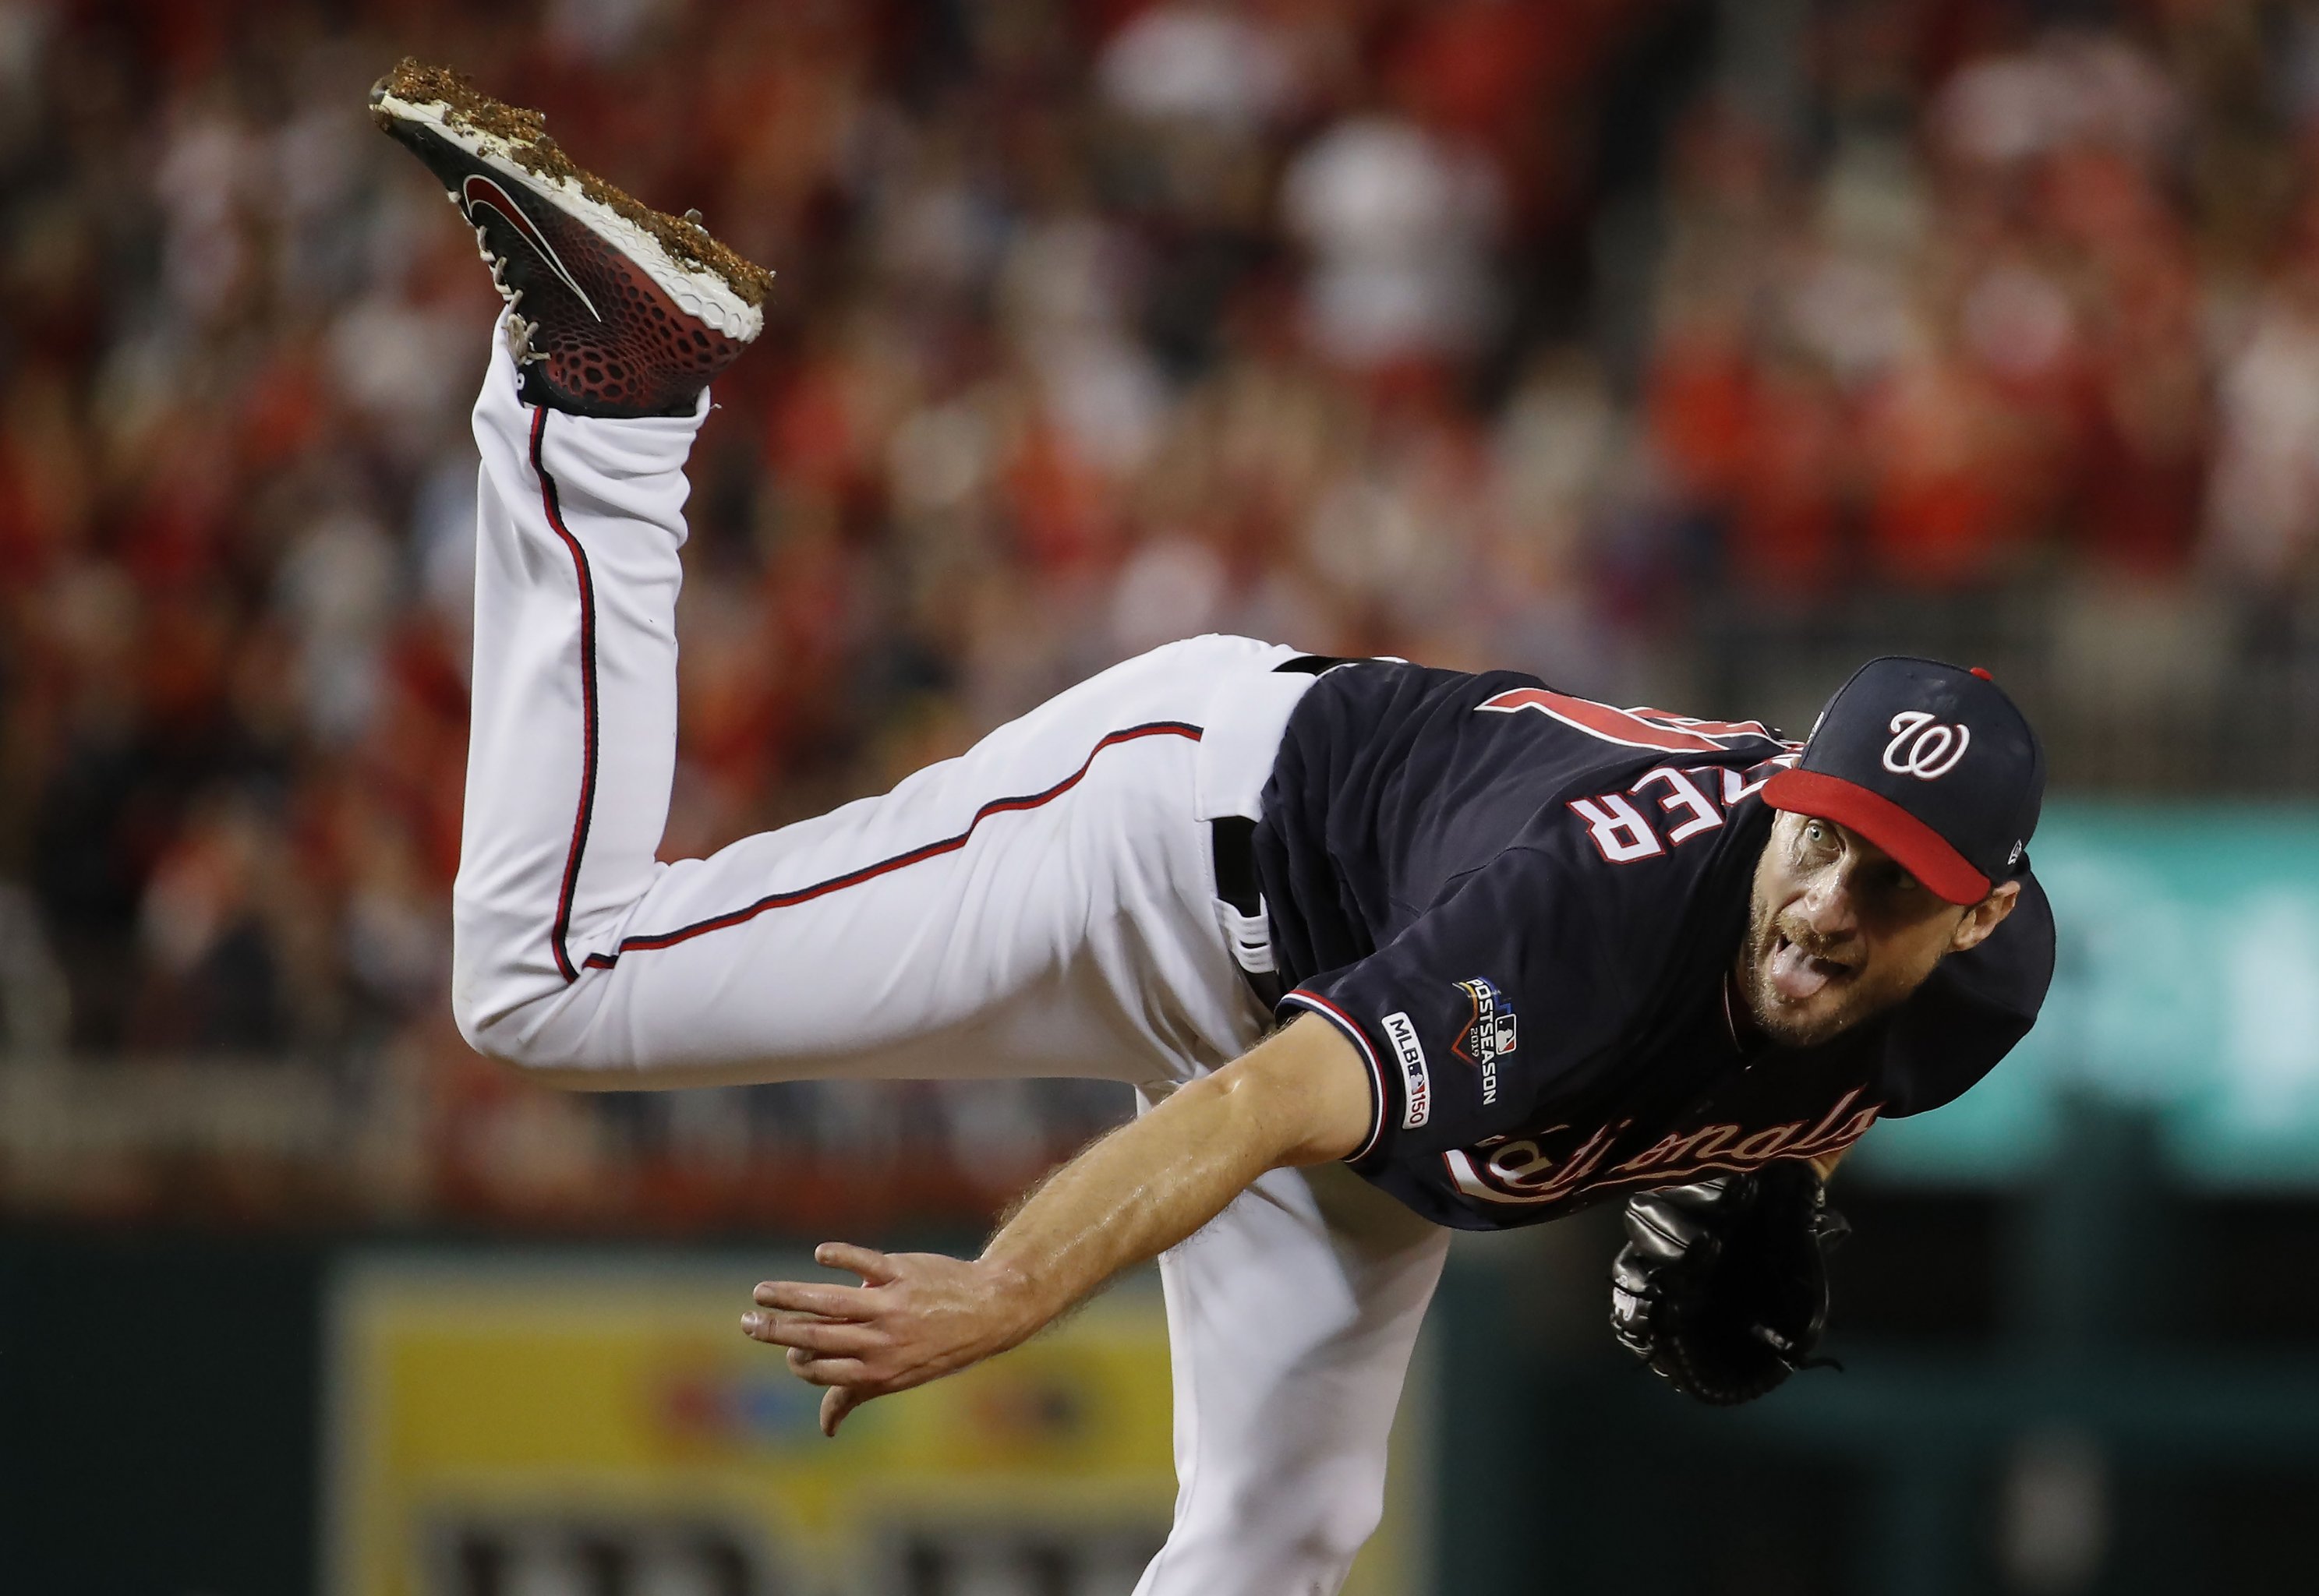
1622	833
1683	797
1617	828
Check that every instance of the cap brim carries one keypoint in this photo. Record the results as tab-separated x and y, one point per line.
1922	851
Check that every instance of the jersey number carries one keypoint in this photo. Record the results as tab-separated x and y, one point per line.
1629	728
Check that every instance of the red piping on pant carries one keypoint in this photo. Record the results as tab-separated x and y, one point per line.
782	900
550	502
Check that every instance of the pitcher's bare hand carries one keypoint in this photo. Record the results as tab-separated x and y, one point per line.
916	1317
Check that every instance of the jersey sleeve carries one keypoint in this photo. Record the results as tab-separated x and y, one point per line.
1476	1016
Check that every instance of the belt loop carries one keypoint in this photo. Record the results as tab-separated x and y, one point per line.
1240	906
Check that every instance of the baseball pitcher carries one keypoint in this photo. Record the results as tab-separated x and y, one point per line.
1384	951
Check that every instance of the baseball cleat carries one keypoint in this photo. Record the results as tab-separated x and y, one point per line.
615	310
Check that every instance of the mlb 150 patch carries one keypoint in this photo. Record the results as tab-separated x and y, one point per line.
1417	1087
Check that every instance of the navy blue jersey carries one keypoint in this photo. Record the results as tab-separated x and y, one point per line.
1523	906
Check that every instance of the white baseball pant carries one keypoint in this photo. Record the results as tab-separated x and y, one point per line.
1043	905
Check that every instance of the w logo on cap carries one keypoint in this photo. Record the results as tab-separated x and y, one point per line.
1923	747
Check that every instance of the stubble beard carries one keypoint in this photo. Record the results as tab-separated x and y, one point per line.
1791	1025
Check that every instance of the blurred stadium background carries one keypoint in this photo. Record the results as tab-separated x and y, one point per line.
1682	351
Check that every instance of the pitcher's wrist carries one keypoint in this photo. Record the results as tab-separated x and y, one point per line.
1020	1298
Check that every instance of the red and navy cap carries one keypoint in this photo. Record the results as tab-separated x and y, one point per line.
1931	763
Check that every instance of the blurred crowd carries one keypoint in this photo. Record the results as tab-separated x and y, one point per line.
1651	345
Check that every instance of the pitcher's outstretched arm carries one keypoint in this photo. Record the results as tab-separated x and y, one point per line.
1301	1096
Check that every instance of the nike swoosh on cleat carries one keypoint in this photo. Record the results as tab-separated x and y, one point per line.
480	190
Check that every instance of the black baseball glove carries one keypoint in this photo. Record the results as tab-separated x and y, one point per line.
1722	1286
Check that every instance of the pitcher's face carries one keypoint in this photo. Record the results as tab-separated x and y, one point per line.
1837	932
